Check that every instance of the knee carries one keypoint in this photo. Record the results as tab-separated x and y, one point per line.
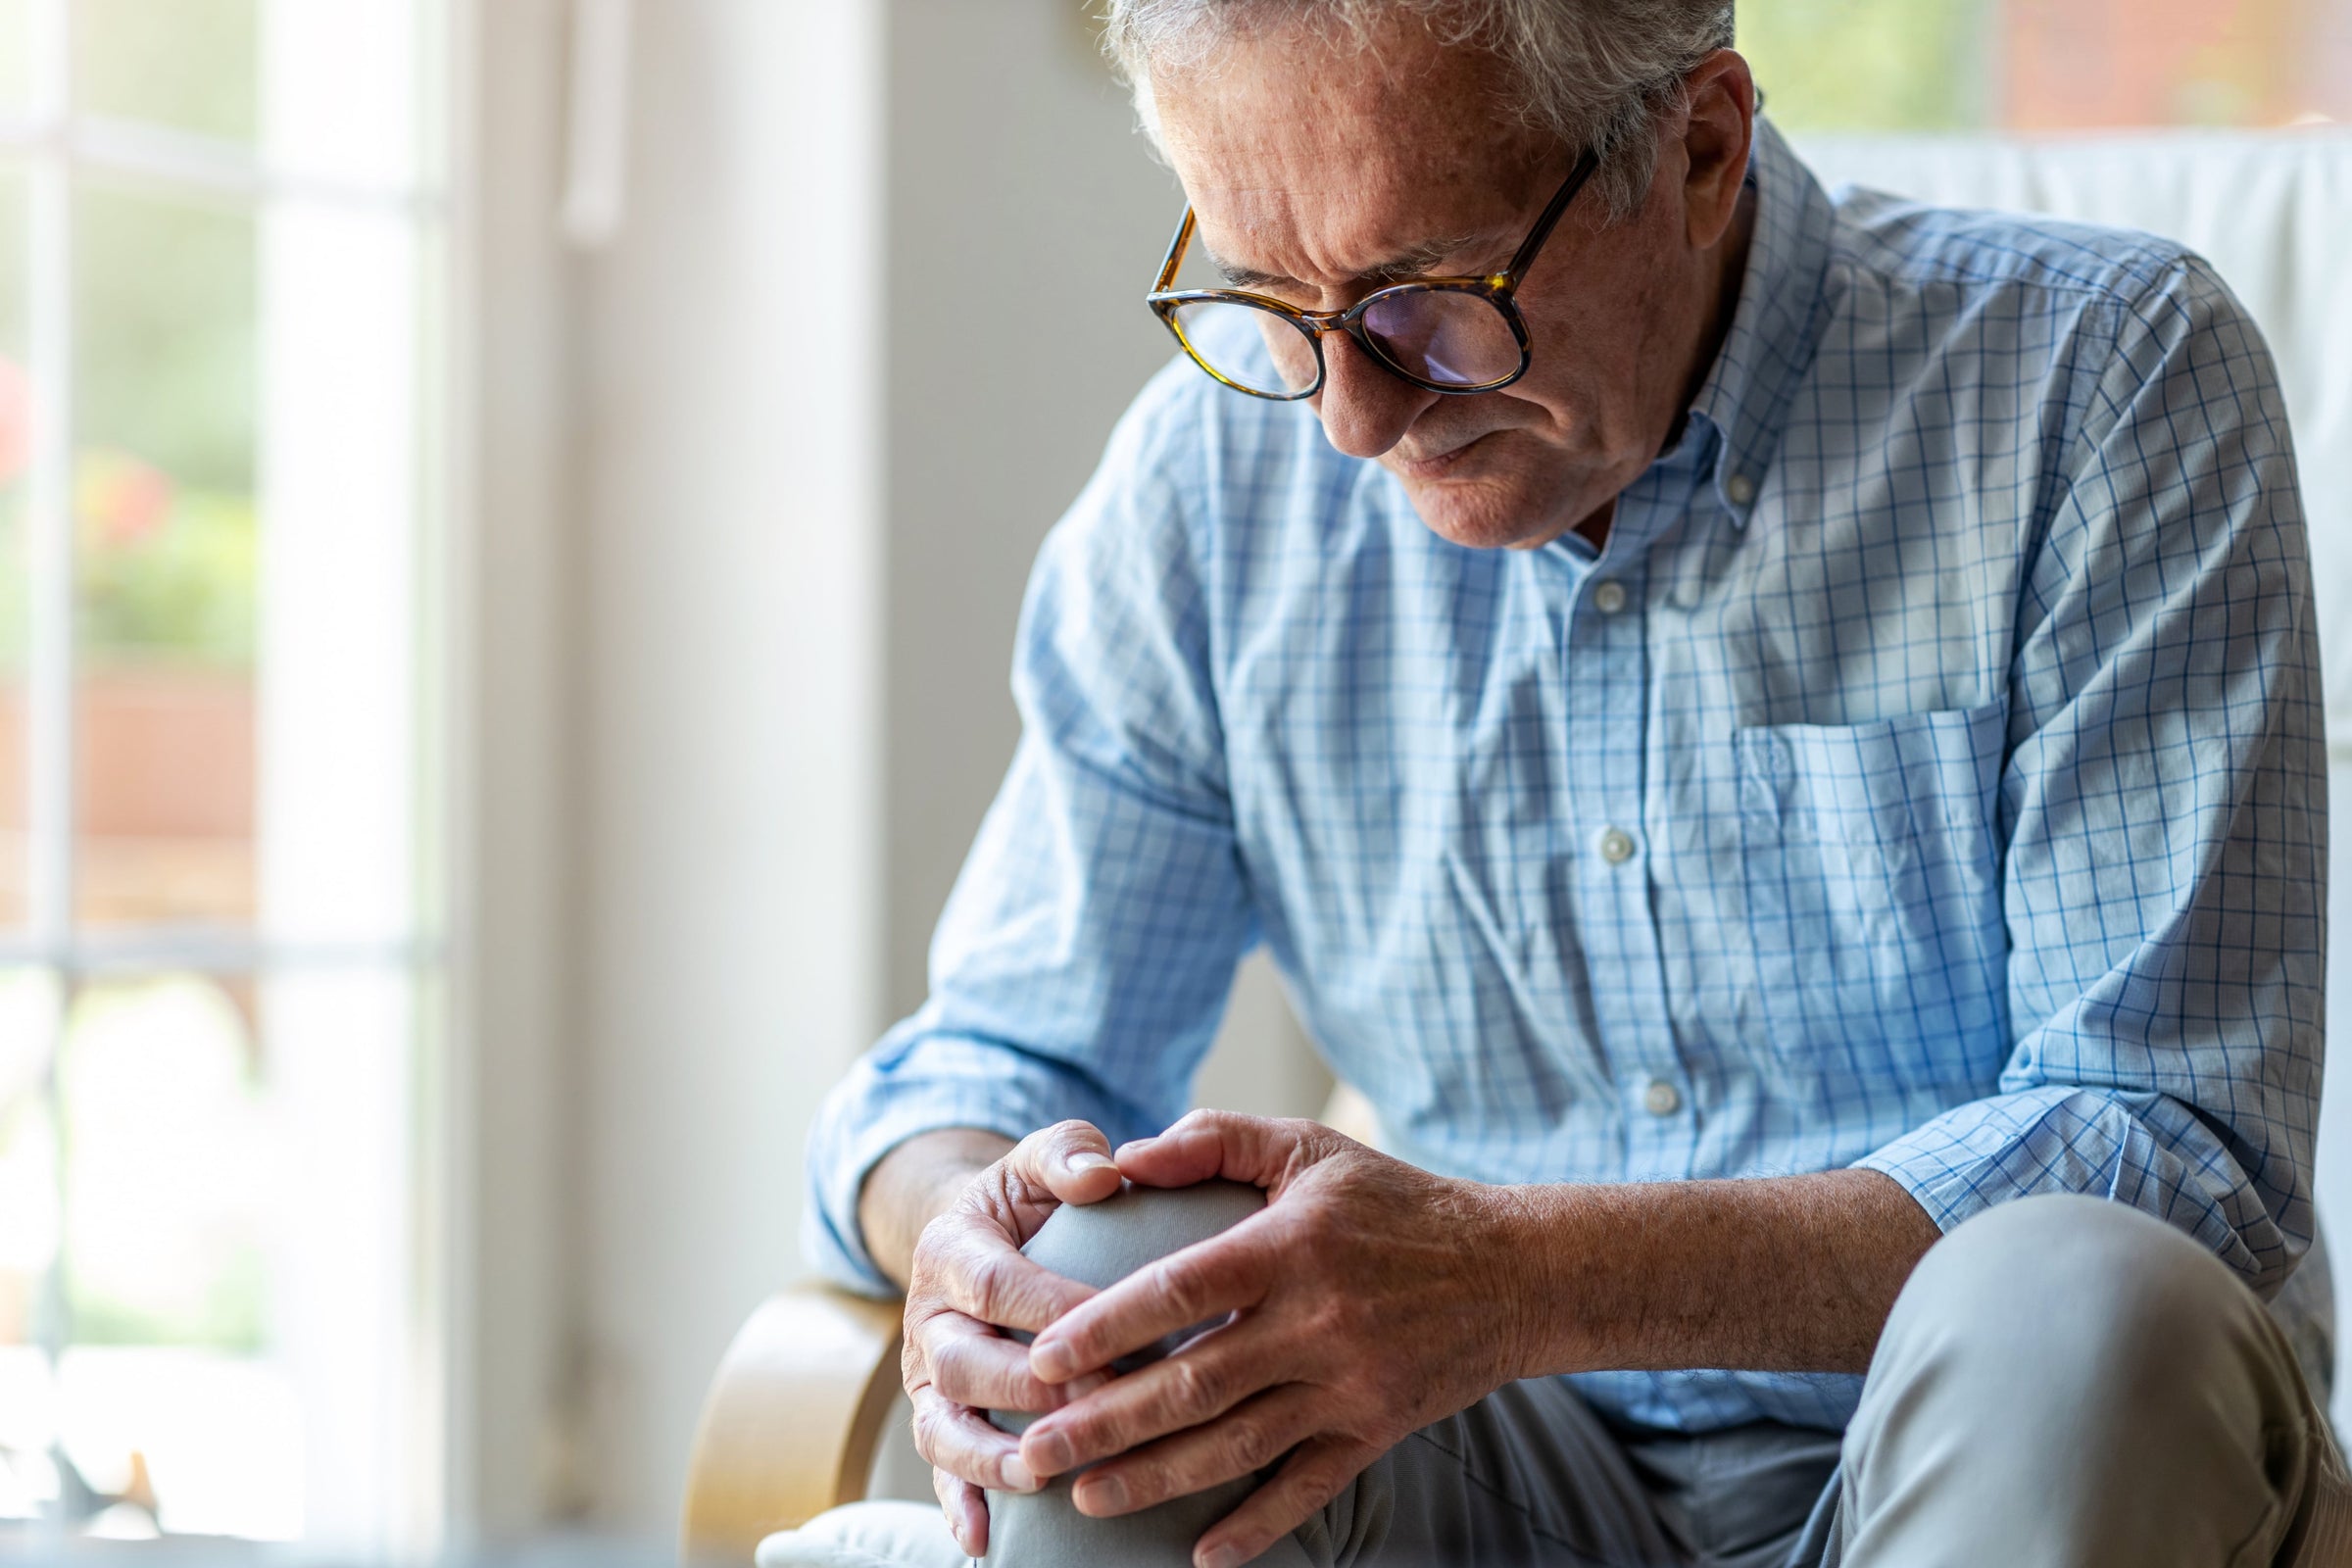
1102	1244
2074	1299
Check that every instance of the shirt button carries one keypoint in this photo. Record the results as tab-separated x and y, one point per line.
1609	598
1661	1099
1740	488
1616	846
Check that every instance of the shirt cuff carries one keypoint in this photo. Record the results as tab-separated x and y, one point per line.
2065	1139
921	1084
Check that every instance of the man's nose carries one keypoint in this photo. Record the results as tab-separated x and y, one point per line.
1365	410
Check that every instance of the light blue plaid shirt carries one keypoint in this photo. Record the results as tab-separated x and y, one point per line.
1926	776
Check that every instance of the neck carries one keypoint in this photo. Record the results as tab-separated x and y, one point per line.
1719	300
1730	268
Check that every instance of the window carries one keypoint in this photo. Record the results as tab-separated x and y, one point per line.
220	231
2048	64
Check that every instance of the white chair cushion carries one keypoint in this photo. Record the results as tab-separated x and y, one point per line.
867	1534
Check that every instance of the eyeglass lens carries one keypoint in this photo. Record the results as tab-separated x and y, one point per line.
1248	347
1444	337
1439	335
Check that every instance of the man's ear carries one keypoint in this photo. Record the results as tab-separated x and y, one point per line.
1716	140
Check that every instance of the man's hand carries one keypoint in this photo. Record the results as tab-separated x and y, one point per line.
1372	1299
967	1277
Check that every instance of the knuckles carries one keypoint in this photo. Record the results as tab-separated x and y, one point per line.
1199	1390
1185	1286
1249	1446
927	1418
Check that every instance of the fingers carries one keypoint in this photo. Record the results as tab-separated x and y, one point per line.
974	1268
1245	1440
1226	1273
966	1511
1070	1159
1221	1143
970	1363
1169	1396
954	1438
1310	1478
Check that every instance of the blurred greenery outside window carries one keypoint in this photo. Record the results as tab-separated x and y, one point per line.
166	295
2048	64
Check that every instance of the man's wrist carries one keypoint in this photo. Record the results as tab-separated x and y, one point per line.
1530	1247
914	1184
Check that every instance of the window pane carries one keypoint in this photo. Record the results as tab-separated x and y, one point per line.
15	584
165	545
167	1166
29	1212
172	1158
191	65
235	1250
1906	65
15	54
27	1427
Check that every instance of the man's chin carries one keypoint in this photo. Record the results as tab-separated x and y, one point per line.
1485	514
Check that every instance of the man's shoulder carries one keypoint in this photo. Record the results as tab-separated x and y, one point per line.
2010	268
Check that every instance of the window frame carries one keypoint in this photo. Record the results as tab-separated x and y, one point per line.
53	146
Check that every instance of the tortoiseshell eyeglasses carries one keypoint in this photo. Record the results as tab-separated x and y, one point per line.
1445	334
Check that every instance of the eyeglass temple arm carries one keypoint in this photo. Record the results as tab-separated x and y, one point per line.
1583	171
1168	268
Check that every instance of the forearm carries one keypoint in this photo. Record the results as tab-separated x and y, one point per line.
914	1184
1791	1273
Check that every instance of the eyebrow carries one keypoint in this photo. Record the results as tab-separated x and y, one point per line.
1402	268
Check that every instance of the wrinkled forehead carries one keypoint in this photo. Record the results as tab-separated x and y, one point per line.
1300	152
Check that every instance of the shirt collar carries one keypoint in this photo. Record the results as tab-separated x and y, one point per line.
1776	325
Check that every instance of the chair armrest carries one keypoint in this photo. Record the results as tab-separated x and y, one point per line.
790	1424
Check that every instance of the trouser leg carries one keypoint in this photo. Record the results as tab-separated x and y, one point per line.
2068	1382
1528	1477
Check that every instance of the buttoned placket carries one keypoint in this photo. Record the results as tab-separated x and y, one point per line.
1606	675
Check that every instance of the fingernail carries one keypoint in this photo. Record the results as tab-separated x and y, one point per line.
1052	1362
1086	1160
1219	1557
1104	1494
1018	1477
1054	1452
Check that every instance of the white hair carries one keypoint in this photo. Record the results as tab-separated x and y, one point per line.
1597	74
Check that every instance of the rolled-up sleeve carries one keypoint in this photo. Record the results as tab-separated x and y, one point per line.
1083	961
2163	816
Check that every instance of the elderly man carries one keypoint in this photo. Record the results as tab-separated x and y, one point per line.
1776	739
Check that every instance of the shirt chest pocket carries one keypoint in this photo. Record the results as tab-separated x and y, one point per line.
1873	897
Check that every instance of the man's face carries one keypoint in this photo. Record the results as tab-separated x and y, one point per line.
1317	174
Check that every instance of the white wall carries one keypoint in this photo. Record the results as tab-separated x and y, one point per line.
1011	169
728	531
